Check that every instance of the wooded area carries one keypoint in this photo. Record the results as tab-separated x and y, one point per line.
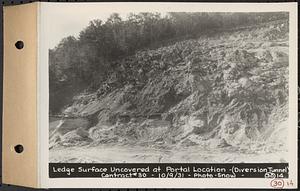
85	62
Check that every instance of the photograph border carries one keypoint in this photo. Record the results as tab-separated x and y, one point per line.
170	183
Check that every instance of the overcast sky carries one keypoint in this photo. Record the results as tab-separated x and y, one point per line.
59	20
65	20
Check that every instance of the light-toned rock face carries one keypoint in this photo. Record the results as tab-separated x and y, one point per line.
228	90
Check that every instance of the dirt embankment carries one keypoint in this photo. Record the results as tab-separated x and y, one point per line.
225	91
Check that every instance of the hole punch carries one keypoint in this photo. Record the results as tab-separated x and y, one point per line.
19	44
19	148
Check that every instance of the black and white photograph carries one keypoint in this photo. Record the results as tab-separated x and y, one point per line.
169	87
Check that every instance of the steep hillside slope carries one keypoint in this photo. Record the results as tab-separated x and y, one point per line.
227	91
